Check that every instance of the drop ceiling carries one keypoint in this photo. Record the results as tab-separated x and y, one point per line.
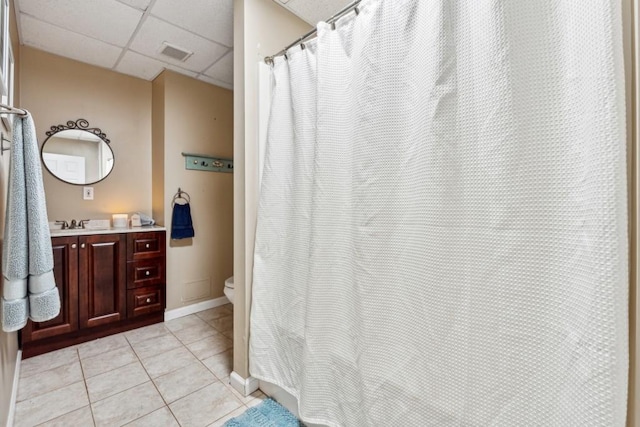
127	36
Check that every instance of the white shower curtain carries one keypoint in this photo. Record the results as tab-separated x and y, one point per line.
441	234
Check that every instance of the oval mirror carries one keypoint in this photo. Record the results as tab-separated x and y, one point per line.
77	154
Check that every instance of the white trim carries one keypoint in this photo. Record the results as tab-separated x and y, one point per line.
14	390
194	308
244	386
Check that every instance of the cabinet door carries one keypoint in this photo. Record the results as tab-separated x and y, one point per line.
102	260
65	270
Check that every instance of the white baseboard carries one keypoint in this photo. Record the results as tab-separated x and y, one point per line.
14	390
194	308
244	386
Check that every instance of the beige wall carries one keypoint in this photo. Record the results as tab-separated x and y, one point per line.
157	148
197	118
261	28
57	90
8	342
630	25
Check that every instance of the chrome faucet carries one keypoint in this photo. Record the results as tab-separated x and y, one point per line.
77	224
65	224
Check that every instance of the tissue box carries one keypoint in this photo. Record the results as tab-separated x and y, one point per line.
98	224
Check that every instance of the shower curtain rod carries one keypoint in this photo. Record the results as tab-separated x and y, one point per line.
353	6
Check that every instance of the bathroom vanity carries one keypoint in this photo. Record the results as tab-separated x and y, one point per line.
109	281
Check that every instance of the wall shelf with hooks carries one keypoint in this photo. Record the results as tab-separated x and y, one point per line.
202	162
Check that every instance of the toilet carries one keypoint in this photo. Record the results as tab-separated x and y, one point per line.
228	289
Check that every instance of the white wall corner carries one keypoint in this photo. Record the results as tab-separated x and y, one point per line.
194	308
14	390
244	386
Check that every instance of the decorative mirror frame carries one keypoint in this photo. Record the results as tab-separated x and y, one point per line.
80	124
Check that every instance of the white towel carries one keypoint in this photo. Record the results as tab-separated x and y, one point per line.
27	258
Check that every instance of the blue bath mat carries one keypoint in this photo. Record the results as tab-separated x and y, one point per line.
267	414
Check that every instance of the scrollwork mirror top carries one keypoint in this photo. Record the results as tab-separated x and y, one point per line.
76	153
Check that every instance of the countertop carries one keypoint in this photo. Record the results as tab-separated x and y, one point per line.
110	230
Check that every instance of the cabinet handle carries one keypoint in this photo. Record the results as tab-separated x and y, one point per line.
82	245
146	273
146	246
148	300
73	246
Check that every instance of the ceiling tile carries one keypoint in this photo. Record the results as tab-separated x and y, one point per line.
181	70
215	82
223	69
61	42
212	19
138	4
106	20
153	32
317	10
140	66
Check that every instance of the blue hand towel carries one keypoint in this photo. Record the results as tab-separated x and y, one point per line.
181	223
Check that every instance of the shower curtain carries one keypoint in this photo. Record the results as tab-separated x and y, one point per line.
441	235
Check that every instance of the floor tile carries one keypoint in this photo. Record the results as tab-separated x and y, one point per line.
155	346
113	382
47	361
222	324
160	418
258	398
168	362
245	399
50	380
220	364
204	406
51	405
184	322
214	313
127	406
220	422
210	346
80	417
194	333
108	361
142	334
101	345
184	381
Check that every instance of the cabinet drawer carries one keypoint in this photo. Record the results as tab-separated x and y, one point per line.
145	272
145	245
145	300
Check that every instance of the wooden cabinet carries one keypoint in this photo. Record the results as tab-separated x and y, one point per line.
108	283
65	259
145	273
102	275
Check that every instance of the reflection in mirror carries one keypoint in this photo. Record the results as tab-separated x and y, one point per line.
77	154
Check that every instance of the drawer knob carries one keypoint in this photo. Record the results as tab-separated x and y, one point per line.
147	273
148	300
146	246
82	245
73	246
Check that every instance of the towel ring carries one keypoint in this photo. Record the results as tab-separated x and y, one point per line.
181	195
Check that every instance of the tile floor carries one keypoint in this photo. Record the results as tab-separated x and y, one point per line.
169	374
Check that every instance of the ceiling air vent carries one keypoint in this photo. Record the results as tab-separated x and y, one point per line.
174	52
